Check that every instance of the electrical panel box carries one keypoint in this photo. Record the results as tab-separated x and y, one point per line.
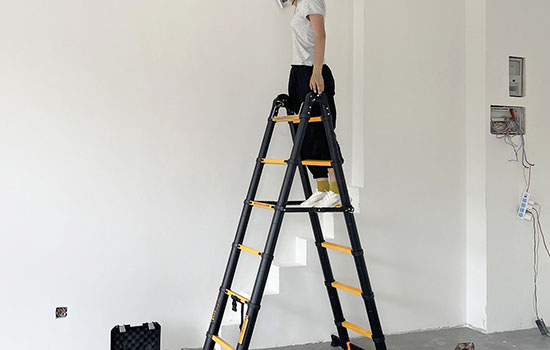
517	76
507	120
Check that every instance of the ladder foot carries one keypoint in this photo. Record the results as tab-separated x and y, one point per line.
336	342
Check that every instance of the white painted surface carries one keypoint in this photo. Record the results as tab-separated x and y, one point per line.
129	131
514	30
476	168
413	205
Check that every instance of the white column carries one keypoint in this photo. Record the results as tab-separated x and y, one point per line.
358	109
476	168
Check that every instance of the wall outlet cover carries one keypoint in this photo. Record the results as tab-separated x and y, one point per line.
465	346
61	312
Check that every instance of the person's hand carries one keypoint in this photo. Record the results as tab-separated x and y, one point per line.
317	83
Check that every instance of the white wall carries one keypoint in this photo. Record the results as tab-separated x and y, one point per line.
128	133
413	204
476	164
514	30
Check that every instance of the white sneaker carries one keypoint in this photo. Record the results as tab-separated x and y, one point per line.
330	200
314	198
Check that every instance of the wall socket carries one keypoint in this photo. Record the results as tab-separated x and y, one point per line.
61	312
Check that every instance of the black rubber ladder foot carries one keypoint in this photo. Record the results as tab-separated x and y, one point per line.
335	342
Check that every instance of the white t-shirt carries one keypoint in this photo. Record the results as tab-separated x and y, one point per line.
303	37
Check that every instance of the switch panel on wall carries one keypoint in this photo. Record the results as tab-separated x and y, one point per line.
507	120
516	76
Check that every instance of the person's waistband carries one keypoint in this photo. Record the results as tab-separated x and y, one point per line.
306	66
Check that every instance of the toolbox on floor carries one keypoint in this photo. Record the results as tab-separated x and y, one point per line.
144	337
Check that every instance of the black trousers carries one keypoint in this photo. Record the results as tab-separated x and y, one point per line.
315	144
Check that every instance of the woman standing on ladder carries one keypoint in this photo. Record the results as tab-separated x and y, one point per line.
309	73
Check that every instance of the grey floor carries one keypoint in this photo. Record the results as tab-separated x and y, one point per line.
447	339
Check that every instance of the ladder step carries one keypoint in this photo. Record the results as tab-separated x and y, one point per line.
274	161
337	209
327	163
338	247
222	343
240	297
357	329
249	250
313	162
294	118
271	205
347	288
262	205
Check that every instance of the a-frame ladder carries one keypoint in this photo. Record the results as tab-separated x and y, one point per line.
279	208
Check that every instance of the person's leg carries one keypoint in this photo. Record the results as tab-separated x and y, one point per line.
333	185
298	88
321	176
333	196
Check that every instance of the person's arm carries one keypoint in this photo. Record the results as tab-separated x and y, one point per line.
317	83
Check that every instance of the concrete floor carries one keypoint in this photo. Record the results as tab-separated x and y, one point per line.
447	339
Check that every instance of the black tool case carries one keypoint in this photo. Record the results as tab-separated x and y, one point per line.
144	337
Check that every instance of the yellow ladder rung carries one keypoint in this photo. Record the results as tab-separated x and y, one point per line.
286	118
262	205
240	297
338	247
294	118
347	288
249	250
314	119
222	343
312	162
317	162
357	329
274	161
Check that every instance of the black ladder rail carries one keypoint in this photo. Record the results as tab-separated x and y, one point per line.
334	300
221	301
267	257
280	207
357	252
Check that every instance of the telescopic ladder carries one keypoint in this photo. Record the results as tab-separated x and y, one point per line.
279	208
